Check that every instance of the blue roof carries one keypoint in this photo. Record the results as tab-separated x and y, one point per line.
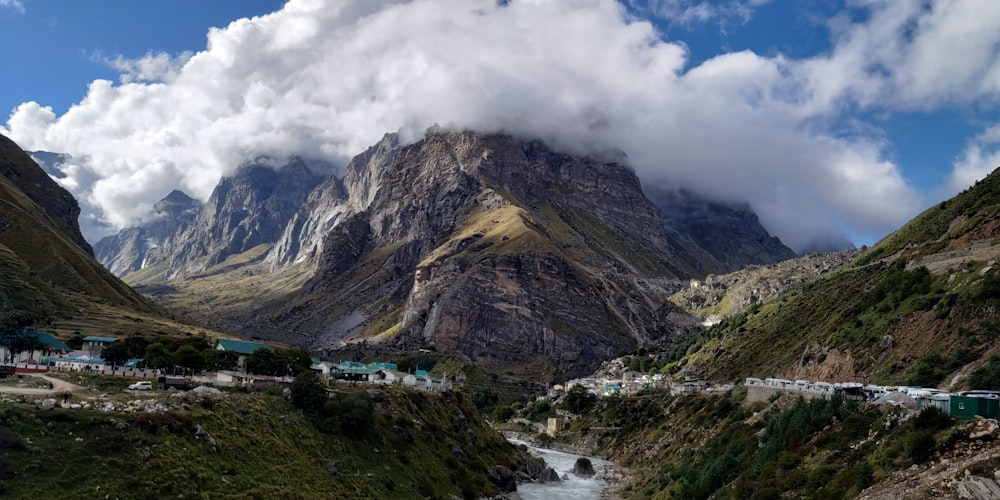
100	339
421	373
47	339
241	346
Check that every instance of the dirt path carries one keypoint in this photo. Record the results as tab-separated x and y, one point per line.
57	386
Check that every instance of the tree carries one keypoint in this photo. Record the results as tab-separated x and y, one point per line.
578	399
157	356
357	414
221	360
136	345
484	399
297	360
116	353
308	392
190	358
262	362
76	341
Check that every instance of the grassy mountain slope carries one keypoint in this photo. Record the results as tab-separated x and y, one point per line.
253	446
48	276
915	308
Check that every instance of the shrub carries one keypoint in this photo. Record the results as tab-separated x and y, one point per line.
10	441
357	414
308	392
919	446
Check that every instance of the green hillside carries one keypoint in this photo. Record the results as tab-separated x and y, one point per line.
915	308
390	444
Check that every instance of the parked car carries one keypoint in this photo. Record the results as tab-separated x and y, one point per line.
141	386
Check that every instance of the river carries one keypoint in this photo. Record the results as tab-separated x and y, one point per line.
573	487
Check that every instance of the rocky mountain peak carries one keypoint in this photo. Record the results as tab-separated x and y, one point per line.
129	250
730	232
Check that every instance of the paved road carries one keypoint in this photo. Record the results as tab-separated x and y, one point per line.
57	386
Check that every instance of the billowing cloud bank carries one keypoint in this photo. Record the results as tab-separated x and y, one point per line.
328	78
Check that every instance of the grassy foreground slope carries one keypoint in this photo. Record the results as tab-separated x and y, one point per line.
254	446
916	308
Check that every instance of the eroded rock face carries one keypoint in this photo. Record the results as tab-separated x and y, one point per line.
128	251
499	250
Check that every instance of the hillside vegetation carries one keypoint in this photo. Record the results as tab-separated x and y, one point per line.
931	287
712	446
388	443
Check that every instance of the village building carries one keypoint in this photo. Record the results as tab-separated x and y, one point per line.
241	347
35	347
95	345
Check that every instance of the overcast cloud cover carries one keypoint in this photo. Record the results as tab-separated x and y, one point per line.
329	78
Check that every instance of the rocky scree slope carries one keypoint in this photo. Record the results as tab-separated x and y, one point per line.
720	295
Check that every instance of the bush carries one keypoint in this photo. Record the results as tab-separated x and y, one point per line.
987	376
12	442
919	446
357	414
308	392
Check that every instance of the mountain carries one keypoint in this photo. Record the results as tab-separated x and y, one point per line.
730	233
498	250
47	270
246	210
921	307
128	251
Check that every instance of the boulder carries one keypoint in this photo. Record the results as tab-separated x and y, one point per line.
504	478
583	467
48	403
403	434
204	389
549	475
460	454
534	466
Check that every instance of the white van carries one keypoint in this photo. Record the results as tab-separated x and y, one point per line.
141	386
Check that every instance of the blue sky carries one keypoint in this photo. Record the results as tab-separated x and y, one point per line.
833	120
58	47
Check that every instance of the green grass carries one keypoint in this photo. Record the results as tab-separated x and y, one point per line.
265	449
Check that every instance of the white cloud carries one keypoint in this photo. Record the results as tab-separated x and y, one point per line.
159	67
15	5
980	157
329	78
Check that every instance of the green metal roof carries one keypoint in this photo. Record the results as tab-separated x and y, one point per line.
47	339
106	340
240	346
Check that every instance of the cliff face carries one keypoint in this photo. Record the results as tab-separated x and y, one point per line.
730	233
248	209
499	250
502	251
128	251
58	205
